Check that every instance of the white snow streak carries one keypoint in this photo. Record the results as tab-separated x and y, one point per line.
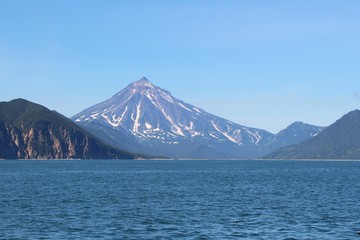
79	119
191	131
123	114
216	137
93	116
196	110
190	127
255	135
167	97
115	122
176	128
182	105
108	120
136	121
224	133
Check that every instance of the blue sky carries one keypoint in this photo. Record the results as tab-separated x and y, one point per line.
262	64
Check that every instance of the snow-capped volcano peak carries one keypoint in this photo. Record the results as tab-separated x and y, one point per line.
142	83
152	117
141	105
143	87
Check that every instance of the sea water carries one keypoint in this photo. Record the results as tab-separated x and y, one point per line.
116	199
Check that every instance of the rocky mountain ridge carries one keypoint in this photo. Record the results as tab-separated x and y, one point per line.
341	140
31	131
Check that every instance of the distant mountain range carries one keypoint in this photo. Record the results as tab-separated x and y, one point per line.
340	140
147	119
31	131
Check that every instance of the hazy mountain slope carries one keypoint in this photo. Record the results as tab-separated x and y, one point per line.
340	140
295	133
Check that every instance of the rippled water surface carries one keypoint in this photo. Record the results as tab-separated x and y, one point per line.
179	199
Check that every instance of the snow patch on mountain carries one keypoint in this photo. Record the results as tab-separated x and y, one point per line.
136	121
217	128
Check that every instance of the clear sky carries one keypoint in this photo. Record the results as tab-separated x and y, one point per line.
262	64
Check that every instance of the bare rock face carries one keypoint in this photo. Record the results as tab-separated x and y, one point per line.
31	131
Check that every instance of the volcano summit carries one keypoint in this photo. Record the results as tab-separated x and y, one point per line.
147	119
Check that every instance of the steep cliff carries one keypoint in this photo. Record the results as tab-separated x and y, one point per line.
31	131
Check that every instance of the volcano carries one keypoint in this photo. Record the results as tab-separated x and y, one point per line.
147	119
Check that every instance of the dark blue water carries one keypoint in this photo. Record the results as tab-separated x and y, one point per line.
179	200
